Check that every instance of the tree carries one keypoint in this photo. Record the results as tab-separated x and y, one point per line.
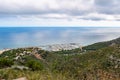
5	62
34	65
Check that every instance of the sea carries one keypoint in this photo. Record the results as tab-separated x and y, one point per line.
17	37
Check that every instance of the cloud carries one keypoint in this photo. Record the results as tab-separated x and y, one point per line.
94	10
108	6
44	6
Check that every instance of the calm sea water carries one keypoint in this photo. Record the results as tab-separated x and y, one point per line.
14	37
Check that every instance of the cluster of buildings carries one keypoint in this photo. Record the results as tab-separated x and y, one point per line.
59	47
54	47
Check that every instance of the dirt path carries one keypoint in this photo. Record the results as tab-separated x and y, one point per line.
38	56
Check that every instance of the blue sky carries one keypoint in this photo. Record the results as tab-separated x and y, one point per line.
60	13
35	36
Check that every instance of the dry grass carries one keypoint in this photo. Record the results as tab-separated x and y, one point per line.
10	74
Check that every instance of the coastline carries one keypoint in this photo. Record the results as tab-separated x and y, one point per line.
1	51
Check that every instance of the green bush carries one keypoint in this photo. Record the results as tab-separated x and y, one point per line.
34	65
5	62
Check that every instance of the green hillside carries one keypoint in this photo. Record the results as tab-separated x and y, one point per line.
36	64
100	45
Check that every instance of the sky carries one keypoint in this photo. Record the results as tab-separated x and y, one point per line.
44	22
102	13
17	37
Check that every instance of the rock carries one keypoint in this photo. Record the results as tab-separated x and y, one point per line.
22	78
116	66
16	58
113	44
20	67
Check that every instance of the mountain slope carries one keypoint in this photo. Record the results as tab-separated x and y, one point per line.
100	45
102	64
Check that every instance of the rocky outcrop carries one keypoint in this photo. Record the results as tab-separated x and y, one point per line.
115	61
28	52
22	78
19	67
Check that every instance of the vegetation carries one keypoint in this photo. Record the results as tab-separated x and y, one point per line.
10	74
5	62
101	64
100	45
34	65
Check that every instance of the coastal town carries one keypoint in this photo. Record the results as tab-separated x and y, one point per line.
55	47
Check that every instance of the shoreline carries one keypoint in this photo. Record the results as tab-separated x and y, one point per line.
1	51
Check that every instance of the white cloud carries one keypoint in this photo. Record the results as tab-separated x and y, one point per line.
70	12
44	6
108	6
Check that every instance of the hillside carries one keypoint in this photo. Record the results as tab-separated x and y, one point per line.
100	45
102	64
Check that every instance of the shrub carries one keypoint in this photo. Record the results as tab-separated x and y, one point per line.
34	65
5	62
